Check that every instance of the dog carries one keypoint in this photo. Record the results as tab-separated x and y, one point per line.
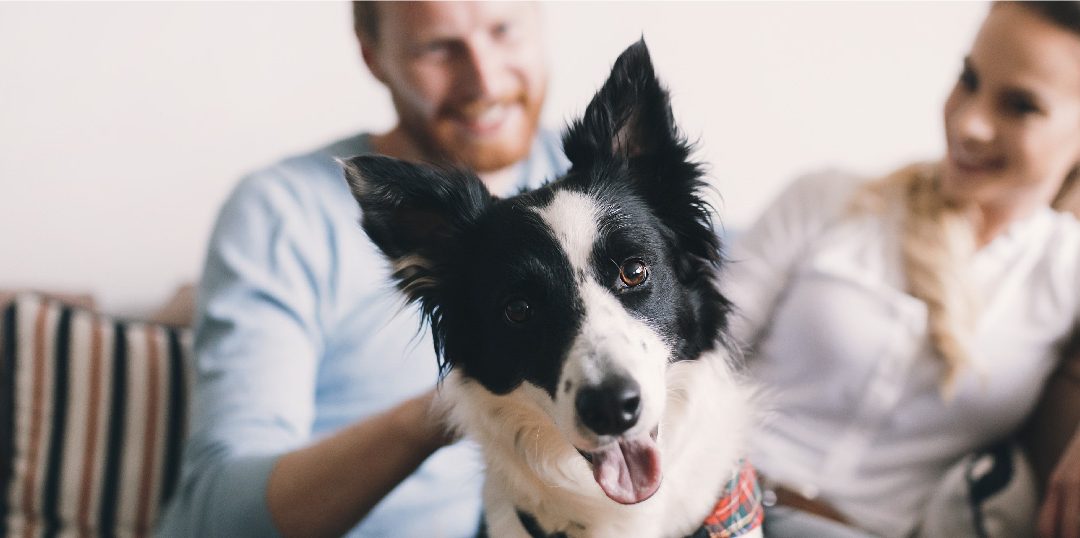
579	326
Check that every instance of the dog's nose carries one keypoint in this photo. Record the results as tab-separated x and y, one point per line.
611	407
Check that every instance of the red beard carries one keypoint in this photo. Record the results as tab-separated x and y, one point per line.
442	139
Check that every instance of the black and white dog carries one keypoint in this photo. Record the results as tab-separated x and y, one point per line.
580	326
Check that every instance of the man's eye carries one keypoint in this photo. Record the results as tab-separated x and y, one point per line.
633	272
438	48
517	311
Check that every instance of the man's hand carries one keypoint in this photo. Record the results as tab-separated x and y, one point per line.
328	487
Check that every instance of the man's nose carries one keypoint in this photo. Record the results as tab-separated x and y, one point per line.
484	71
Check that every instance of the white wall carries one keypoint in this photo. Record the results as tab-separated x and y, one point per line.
123	126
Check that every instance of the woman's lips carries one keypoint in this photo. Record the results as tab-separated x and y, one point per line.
973	165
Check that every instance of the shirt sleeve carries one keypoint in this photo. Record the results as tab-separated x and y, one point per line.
762	259
257	344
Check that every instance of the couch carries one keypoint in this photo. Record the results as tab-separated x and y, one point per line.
93	413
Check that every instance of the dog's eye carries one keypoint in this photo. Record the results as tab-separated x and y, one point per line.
633	272
518	311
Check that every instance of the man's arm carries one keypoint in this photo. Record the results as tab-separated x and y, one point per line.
317	490
260	339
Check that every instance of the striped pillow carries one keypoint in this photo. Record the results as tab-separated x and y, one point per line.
92	418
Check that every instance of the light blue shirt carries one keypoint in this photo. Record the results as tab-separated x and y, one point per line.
299	333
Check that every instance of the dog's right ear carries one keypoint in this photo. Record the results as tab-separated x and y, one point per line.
629	117
414	214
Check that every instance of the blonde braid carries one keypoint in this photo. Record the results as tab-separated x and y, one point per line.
936	246
1068	196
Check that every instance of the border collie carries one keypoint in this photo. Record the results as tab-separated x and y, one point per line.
579	326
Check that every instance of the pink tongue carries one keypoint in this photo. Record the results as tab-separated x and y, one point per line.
629	471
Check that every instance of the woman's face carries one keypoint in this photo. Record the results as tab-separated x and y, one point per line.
1012	122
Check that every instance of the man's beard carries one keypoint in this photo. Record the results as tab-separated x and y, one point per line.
441	141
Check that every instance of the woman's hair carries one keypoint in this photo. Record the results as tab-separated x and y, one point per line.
938	238
1063	14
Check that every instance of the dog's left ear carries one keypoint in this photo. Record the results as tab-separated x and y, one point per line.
630	117
414	214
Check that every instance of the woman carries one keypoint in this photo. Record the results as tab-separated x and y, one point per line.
899	324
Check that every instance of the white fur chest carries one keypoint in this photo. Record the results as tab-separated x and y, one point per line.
532	468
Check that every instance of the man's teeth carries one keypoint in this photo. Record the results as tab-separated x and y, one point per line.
489	116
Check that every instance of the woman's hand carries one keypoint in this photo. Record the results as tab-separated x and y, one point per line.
1059	516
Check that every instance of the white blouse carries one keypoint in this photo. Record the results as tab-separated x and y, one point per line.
850	383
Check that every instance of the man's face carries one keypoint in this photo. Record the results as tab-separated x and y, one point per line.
467	79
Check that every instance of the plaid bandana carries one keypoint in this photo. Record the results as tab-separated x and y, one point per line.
739	511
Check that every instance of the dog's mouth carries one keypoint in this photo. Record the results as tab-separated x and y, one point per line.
627	469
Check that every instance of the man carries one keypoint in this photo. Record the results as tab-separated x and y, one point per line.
304	353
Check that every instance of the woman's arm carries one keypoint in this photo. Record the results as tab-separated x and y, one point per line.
1055	456
1060	512
761	258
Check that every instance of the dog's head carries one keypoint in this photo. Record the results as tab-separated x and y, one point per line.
577	295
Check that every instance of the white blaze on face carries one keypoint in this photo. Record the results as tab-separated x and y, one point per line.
611	341
573	217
